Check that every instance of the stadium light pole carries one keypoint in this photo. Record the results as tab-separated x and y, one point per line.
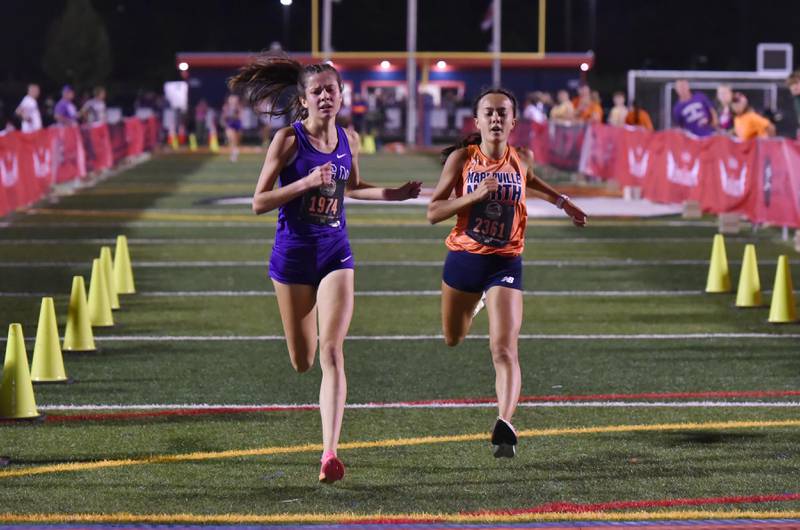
327	17
496	46
286	5
411	72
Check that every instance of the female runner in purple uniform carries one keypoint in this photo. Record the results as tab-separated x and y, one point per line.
311	264
231	120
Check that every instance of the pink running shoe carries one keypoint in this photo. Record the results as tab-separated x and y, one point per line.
331	469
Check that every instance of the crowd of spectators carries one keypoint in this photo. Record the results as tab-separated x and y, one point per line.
585	106
731	114
31	114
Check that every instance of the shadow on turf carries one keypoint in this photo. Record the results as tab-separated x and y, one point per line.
677	439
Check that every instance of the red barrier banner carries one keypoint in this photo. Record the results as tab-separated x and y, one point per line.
728	175
600	151
539	140
150	133
118	142
19	181
4	207
134	136
70	156
777	188
37	162
10	198
758	178
98	147
634	155
30	163
565	142
674	176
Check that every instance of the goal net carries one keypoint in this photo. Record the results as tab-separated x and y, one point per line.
654	90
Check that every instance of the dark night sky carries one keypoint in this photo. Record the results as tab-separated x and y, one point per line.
145	34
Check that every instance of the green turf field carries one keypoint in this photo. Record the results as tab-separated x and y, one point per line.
616	308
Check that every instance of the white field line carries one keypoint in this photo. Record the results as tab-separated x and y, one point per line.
356	240
247	294
233	241
543	336
262	224
435	405
142	224
435	293
599	263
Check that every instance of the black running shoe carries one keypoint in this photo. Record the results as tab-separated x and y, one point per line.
504	440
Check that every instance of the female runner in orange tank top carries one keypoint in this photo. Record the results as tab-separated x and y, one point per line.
491	180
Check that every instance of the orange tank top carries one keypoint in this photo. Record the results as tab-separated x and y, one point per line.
496	225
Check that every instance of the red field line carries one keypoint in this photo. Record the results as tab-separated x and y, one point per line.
116	416
668	395
623	397
568	507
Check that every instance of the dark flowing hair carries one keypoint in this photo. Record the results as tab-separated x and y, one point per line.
475	138
266	80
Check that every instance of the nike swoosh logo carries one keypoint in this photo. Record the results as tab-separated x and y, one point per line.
342	155
345	259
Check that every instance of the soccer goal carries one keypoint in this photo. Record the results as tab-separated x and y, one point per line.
765	88
654	90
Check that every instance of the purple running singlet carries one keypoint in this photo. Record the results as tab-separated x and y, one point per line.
311	236
694	115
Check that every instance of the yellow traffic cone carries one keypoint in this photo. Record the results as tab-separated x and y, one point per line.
78	335
783	310
16	390
123	273
48	363
192	142
172	138
213	142
368	144
749	292
719	279
108	270
99	309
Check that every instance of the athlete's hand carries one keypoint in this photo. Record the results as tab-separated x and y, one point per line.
578	216
409	190
320	176
487	186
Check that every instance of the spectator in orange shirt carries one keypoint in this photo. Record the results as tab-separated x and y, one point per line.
586	106
638	117
747	123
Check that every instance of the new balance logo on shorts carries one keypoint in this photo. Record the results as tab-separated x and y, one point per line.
508	279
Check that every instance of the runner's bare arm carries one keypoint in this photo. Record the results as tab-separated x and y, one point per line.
442	206
281	150
359	189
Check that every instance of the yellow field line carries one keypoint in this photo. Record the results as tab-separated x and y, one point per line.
149	216
223	218
233	518
398	442
172	189
352	220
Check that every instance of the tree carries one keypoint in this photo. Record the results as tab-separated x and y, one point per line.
78	49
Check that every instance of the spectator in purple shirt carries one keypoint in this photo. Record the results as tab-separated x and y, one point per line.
693	112
65	112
